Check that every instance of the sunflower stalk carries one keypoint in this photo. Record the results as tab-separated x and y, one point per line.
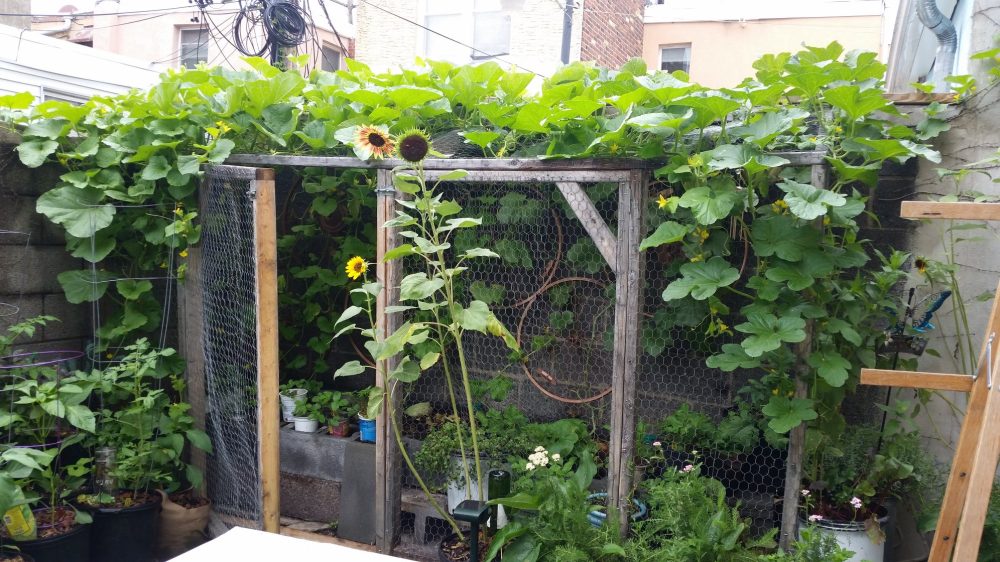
434	290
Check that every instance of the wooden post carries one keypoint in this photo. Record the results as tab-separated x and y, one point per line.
265	244
190	329
388	475
797	437
628	298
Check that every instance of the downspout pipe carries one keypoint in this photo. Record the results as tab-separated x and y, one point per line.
944	30
67	24
567	30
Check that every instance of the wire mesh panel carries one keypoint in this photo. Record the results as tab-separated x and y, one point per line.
228	285
555	292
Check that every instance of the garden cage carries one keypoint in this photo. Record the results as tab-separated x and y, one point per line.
573	287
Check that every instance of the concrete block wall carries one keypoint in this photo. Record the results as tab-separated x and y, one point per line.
612	31
32	254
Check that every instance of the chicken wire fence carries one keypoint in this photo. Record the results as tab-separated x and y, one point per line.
554	290
229	338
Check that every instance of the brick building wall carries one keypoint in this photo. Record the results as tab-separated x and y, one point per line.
612	31
32	253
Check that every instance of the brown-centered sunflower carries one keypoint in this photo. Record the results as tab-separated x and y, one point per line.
356	267
413	145
376	141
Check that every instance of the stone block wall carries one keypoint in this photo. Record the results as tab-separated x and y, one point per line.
32	254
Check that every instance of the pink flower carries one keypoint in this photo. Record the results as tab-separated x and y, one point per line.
688	468
815	518
856	502
657	444
805	493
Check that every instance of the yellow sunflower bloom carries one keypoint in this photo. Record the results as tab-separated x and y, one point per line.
376	141
356	267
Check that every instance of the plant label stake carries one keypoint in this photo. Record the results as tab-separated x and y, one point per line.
967	496
475	513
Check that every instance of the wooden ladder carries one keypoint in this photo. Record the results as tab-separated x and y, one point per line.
967	496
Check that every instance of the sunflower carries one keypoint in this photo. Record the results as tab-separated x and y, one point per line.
356	267
376	141
413	145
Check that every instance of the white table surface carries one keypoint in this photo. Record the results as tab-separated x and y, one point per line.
249	545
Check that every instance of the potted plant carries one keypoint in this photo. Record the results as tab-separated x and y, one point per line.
183	518
851	484
293	391
142	436
47	415
306	416
366	417
13	554
336	408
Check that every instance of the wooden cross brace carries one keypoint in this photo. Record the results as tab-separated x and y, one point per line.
967	496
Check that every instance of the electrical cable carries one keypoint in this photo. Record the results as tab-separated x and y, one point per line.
285	23
329	20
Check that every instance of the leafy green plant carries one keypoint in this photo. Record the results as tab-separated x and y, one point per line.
686	430
329	407
140	419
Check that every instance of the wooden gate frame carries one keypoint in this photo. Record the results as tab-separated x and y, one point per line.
632	176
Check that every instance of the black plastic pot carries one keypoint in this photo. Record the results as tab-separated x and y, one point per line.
126	534
73	546
4	551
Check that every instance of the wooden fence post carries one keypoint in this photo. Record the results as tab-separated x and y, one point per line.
628	299
268	423
388	476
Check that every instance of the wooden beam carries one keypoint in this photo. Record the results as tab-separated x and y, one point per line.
981	477
268	423
959	210
591	220
919	98
388	460
956	492
916	379
316	537
795	158
628	299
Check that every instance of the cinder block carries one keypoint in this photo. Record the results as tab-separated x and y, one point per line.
20	225
15	308
16	178
313	499
33	270
74	319
316	455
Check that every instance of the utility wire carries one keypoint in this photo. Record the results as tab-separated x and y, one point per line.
322	4
452	39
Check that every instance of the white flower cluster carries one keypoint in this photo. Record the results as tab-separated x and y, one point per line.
540	458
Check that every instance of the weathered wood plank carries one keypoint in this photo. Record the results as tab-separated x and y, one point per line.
591	220
507	164
916	379
956	492
266	238
981	477
388	473
628	295
919	98
316	537
795	158
958	210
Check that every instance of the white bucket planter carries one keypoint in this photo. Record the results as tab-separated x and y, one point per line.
852	536
288	400
305	425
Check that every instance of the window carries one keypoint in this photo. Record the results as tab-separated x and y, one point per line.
331	58
194	47
468	31
675	57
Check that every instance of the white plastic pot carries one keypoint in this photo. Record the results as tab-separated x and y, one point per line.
852	536
305	425
288	400
458	492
